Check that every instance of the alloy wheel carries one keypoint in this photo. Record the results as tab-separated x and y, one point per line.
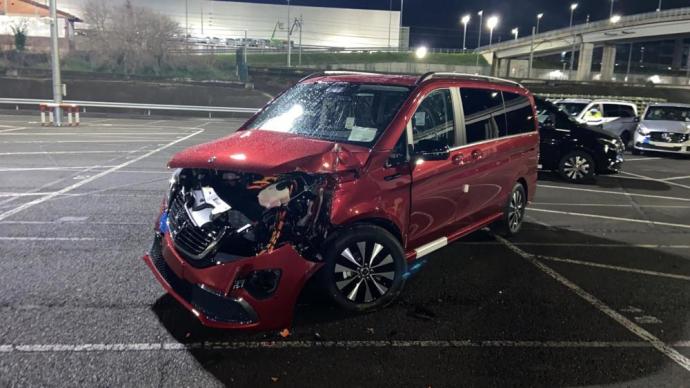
577	167
516	210
364	272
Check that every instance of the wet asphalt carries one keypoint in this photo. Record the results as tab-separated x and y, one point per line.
594	291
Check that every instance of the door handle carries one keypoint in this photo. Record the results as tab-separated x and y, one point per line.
476	155
458	160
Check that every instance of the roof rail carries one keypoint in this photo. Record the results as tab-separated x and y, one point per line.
471	77
336	72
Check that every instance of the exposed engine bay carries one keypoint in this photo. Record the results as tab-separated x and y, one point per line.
219	216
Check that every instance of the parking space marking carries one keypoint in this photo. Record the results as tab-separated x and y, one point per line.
643	177
80	141
593	245
648	222
295	344
616	268
71	222
677	178
66	152
631	326
72	239
12	129
83	182
641	159
614	193
94	134
608	205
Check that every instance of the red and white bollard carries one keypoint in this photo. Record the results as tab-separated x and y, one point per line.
72	114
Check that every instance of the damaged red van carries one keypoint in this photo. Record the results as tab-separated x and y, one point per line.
349	177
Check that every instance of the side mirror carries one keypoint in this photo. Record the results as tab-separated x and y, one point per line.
430	149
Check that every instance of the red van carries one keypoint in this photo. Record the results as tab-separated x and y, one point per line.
349	177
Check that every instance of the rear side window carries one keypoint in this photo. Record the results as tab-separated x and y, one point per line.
519	114
484	114
434	119
615	110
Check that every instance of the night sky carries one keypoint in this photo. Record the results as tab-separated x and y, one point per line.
437	22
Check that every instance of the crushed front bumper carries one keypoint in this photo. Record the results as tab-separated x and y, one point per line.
216	296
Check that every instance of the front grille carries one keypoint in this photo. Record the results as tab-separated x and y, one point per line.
215	307
195	243
668	137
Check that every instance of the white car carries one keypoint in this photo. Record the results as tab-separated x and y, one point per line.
616	117
664	127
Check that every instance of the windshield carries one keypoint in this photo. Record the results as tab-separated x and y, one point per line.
554	114
668	113
334	111
572	108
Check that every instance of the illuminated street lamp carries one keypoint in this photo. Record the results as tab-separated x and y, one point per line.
421	52
465	20
539	16
615	19
515	31
573	7
491	24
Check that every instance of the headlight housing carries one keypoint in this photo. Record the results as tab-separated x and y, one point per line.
643	130
611	144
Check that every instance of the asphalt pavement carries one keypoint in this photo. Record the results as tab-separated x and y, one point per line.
594	291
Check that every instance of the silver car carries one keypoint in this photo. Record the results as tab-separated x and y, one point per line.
664	127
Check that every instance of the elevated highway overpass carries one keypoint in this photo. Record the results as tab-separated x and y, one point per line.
669	24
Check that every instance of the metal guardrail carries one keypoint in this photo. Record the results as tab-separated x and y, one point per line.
122	105
625	21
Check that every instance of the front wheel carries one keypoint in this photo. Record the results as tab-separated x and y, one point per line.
364	268
576	167
513	213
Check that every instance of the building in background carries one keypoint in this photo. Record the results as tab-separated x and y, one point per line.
32	15
323	26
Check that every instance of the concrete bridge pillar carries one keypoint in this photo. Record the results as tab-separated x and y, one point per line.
608	62
584	62
678	47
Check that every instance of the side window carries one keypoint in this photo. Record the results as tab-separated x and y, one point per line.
484	114
434	119
626	111
611	110
519	114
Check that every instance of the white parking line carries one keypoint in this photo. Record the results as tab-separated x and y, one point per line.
13	129
104	141
72	239
583	245
684	226
614	193
67	189
655	180
640	159
662	347
609	205
95	134
65	152
295	344
616	268
677	178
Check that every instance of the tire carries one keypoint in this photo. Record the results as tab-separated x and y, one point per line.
625	137
513	213
364	268
576	167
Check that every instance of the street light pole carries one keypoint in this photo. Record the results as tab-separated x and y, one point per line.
479	40
390	17
186	21
658	9
55	56
539	16
492	23
515	32
573	7
289	36
465	20
611	13
531	54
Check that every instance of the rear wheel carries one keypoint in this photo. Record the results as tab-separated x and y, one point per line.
513	213
577	167
364	268
636	152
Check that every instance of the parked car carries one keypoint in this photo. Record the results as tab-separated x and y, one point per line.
664	127
576	151
353	177
616	117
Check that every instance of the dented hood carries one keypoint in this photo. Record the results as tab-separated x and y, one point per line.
267	153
